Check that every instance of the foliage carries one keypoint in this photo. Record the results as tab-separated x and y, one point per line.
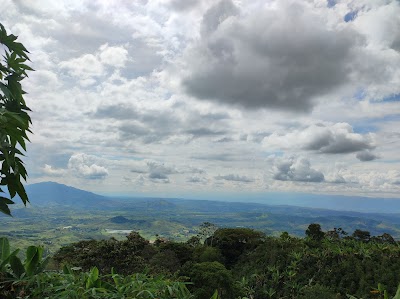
361	235
74	284
207	254
314	232
126	257
12	265
233	242
291	268
13	271
29	280
208	277
317	291
14	118
380	293
242	263
207	230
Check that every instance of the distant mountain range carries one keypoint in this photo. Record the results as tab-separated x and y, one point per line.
166	216
50	193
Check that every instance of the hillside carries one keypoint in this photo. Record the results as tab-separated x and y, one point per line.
60	214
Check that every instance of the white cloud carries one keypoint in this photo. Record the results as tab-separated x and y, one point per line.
197	180
85	66
89	67
85	166
296	169
49	170
113	56
235	178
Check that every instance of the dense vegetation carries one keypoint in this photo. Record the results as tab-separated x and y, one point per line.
237	262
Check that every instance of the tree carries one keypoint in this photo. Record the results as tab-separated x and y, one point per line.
336	234
207	230
233	242
387	238
361	235
210	276
314	232
14	119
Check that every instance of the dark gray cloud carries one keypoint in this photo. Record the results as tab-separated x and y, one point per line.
134	130
283	58
338	138
159	171
216	15
341	145
157	167
180	5
297	170
365	156
234	178
158	176
119	111
156	172
138	170
225	139
258	137
214	116
156	125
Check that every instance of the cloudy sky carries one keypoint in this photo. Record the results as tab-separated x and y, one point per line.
200	98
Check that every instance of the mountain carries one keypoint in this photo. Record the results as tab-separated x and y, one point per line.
51	193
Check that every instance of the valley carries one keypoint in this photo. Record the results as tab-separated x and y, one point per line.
59	215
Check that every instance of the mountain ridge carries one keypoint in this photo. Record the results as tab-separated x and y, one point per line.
43	193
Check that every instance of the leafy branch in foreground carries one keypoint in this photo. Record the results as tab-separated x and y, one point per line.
29	279
14	118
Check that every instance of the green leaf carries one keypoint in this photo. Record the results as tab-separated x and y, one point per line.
93	277
6	261
67	270
4	208
33	257
397	296
215	295
4	248
32	260
26	67
22	193
16	266
5	90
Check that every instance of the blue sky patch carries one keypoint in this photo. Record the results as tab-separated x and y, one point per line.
331	3
350	16
392	98
364	128
360	94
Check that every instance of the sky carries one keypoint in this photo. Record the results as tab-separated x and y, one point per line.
201	98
